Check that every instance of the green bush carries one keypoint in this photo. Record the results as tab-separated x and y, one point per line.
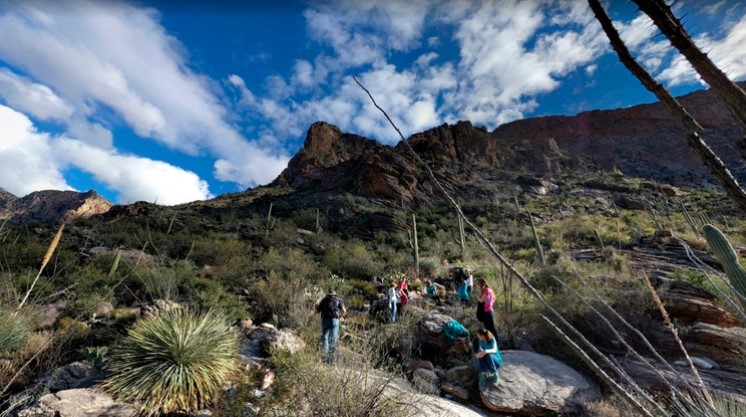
14	330
176	361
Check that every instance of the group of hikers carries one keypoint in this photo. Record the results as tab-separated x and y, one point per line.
332	309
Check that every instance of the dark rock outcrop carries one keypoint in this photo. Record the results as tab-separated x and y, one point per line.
51	206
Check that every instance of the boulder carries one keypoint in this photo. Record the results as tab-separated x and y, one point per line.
80	402
459	392
72	375
463	376
431	338
261	341
415	365
426	381
532	384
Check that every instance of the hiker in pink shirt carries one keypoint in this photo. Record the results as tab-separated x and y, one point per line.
485	312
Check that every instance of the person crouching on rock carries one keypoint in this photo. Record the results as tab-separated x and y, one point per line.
463	292
488	356
332	309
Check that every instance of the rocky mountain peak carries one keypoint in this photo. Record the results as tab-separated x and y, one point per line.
52	206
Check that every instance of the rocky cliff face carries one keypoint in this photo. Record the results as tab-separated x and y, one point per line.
642	141
51	206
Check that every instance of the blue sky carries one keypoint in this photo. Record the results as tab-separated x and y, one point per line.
171	102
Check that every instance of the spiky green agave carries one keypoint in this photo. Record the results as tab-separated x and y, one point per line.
728	257
173	362
14	330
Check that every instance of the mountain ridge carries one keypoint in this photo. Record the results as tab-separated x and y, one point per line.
640	141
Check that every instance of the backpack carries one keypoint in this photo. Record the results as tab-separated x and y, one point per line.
454	330
330	307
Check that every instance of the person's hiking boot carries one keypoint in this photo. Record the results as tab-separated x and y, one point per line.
482	377
495	378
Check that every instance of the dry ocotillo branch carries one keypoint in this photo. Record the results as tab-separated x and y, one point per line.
600	372
672	329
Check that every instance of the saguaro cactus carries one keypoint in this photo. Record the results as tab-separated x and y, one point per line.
728	257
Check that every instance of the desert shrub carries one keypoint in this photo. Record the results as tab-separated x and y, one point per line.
307	387
353	260
14	330
176	361
365	289
429	268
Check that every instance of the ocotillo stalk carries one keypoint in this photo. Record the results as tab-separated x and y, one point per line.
318	225
461	234
539	249
269	219
728	257
689	219
415	246
598	237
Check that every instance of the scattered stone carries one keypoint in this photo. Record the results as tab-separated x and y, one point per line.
426	381
47	314
629	203
532	385
80	402
104	309
463	376
671	191
72	375
304	232
663	233
458	392
415	365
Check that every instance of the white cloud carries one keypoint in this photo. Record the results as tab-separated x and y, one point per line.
138	179
27	161
112	55
30	97
504	61
727	53
33	161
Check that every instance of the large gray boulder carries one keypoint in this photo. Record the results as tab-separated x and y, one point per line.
432	341
79	402
532	385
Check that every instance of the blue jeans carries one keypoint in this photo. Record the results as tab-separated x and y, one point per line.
392	310
488	363
329	336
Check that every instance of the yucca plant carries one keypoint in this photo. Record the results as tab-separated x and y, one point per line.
173	362
14	330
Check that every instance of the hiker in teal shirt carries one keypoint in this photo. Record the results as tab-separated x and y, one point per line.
488	356
463	292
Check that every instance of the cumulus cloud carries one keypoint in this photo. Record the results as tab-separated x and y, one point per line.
504	60
112	55
32	161
27	161
33	98
727	53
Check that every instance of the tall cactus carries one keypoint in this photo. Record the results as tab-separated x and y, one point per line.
728	257
537	241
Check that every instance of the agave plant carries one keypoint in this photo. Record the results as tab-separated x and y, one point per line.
14	330
173	362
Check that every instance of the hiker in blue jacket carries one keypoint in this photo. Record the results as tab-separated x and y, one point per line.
488	356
